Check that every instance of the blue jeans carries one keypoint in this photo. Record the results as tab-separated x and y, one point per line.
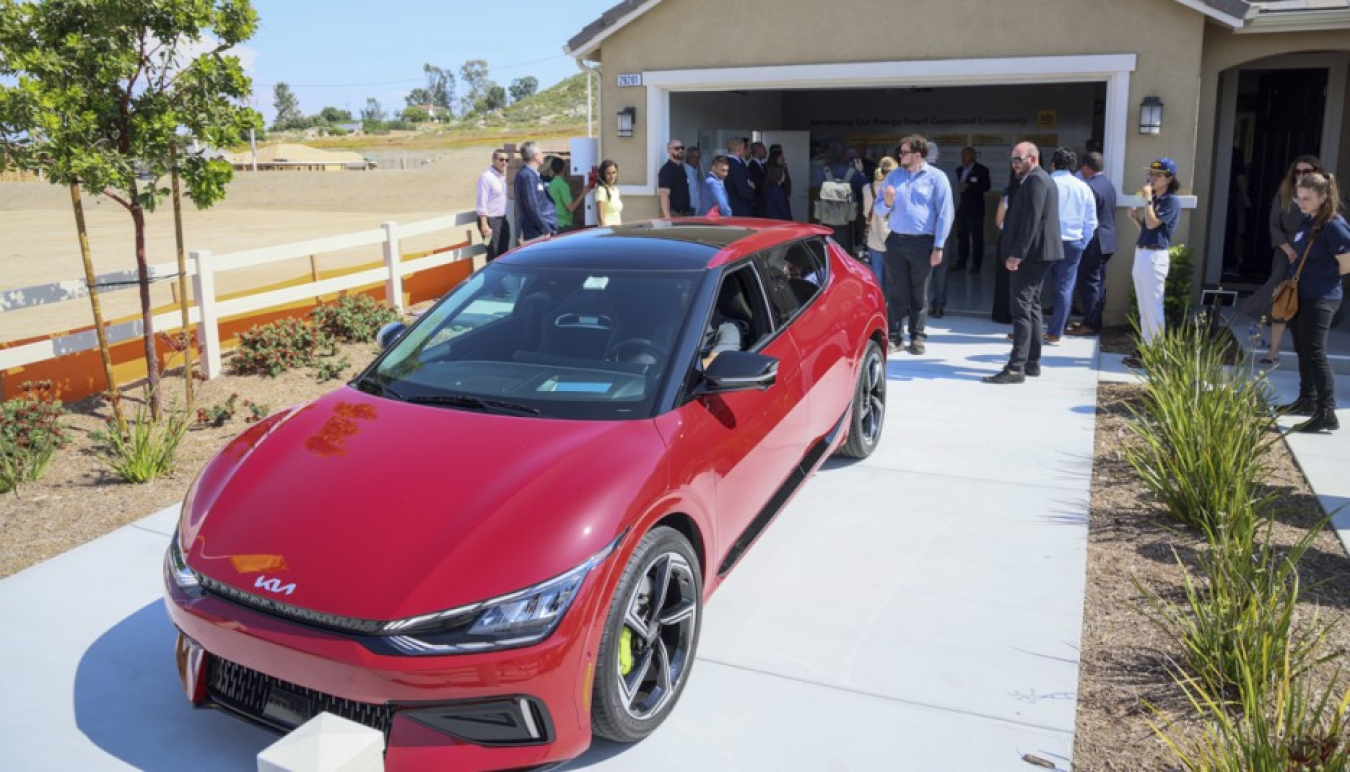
1065	273
877	257
1092	285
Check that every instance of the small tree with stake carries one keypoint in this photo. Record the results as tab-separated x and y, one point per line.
103	91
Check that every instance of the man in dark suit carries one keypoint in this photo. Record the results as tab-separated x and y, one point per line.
1092	271
1033	243
757	169
740	193
971	181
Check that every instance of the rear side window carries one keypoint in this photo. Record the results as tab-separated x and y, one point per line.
795	272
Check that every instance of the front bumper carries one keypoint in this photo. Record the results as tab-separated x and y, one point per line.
514	709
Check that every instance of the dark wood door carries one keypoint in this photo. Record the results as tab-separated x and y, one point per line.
1288	105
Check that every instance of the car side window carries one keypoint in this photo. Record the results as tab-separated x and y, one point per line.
795	274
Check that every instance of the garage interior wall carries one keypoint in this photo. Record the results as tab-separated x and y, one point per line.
749	110
991	118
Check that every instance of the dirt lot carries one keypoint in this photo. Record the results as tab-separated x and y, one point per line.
262	209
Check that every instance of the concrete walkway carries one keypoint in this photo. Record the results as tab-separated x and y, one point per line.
917	610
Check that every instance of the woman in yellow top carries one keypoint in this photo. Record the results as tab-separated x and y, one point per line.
608	205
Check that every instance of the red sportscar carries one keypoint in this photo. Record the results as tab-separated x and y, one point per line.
498	540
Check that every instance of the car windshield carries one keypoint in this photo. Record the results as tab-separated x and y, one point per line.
545	341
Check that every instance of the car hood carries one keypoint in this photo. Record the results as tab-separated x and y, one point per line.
380	509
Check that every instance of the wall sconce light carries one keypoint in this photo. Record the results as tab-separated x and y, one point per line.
1150	115
627	117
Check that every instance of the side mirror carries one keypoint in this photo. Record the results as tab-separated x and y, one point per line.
738	371
389	333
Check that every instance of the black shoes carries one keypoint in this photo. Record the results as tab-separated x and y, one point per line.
916	347
1033	370
1007	375
1133	362
1324	420
1301	406
936	313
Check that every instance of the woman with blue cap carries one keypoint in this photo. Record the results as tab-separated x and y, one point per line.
1158	222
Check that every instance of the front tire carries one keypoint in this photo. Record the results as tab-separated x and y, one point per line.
651	636
869	405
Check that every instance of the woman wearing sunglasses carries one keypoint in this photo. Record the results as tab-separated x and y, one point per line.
1285	222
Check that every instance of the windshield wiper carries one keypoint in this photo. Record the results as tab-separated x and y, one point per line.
466	400
372	386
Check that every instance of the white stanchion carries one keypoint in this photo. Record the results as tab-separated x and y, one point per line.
326	743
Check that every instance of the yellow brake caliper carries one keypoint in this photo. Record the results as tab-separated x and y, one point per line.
625	651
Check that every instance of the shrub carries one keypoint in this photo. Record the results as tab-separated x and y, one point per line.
270	349
331	369
1292	728
217	415
1204	431
256	412
1177	288
1237	629
352	319
30	434
147	449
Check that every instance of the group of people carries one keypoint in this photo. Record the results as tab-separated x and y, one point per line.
542	208
1057	229
1310	240
750	180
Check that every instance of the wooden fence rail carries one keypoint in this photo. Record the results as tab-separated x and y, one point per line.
207	310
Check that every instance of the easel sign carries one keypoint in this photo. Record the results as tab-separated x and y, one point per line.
1218	298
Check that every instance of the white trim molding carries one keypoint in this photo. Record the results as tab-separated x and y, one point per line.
1113	69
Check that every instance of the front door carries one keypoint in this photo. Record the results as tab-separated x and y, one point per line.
1285	110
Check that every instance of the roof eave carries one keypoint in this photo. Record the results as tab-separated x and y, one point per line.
1313	20
1222	17
587	47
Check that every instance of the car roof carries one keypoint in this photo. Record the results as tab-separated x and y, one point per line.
685	244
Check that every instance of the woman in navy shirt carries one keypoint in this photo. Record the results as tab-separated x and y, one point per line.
1157	224
1325	238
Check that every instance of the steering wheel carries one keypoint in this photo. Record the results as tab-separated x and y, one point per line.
628	348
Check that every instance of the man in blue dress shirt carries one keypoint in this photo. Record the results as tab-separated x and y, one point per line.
916	200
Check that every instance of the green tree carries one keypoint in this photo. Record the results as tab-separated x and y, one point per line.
287	105
440	87
100	94
334	115
474	75
416	114
373	112
493	98
523	87
418	97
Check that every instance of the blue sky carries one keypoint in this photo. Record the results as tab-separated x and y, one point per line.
339	52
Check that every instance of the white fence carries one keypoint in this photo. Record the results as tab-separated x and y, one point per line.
206	311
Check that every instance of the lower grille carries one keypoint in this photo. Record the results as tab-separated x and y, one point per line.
281	704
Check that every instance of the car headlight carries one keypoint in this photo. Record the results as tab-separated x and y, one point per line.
519	619
176	567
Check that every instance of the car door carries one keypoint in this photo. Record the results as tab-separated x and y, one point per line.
737	450
801	294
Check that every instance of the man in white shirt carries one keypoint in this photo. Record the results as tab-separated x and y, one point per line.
491	206
693	169
1077	222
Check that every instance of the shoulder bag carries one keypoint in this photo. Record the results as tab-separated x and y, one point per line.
1284	301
